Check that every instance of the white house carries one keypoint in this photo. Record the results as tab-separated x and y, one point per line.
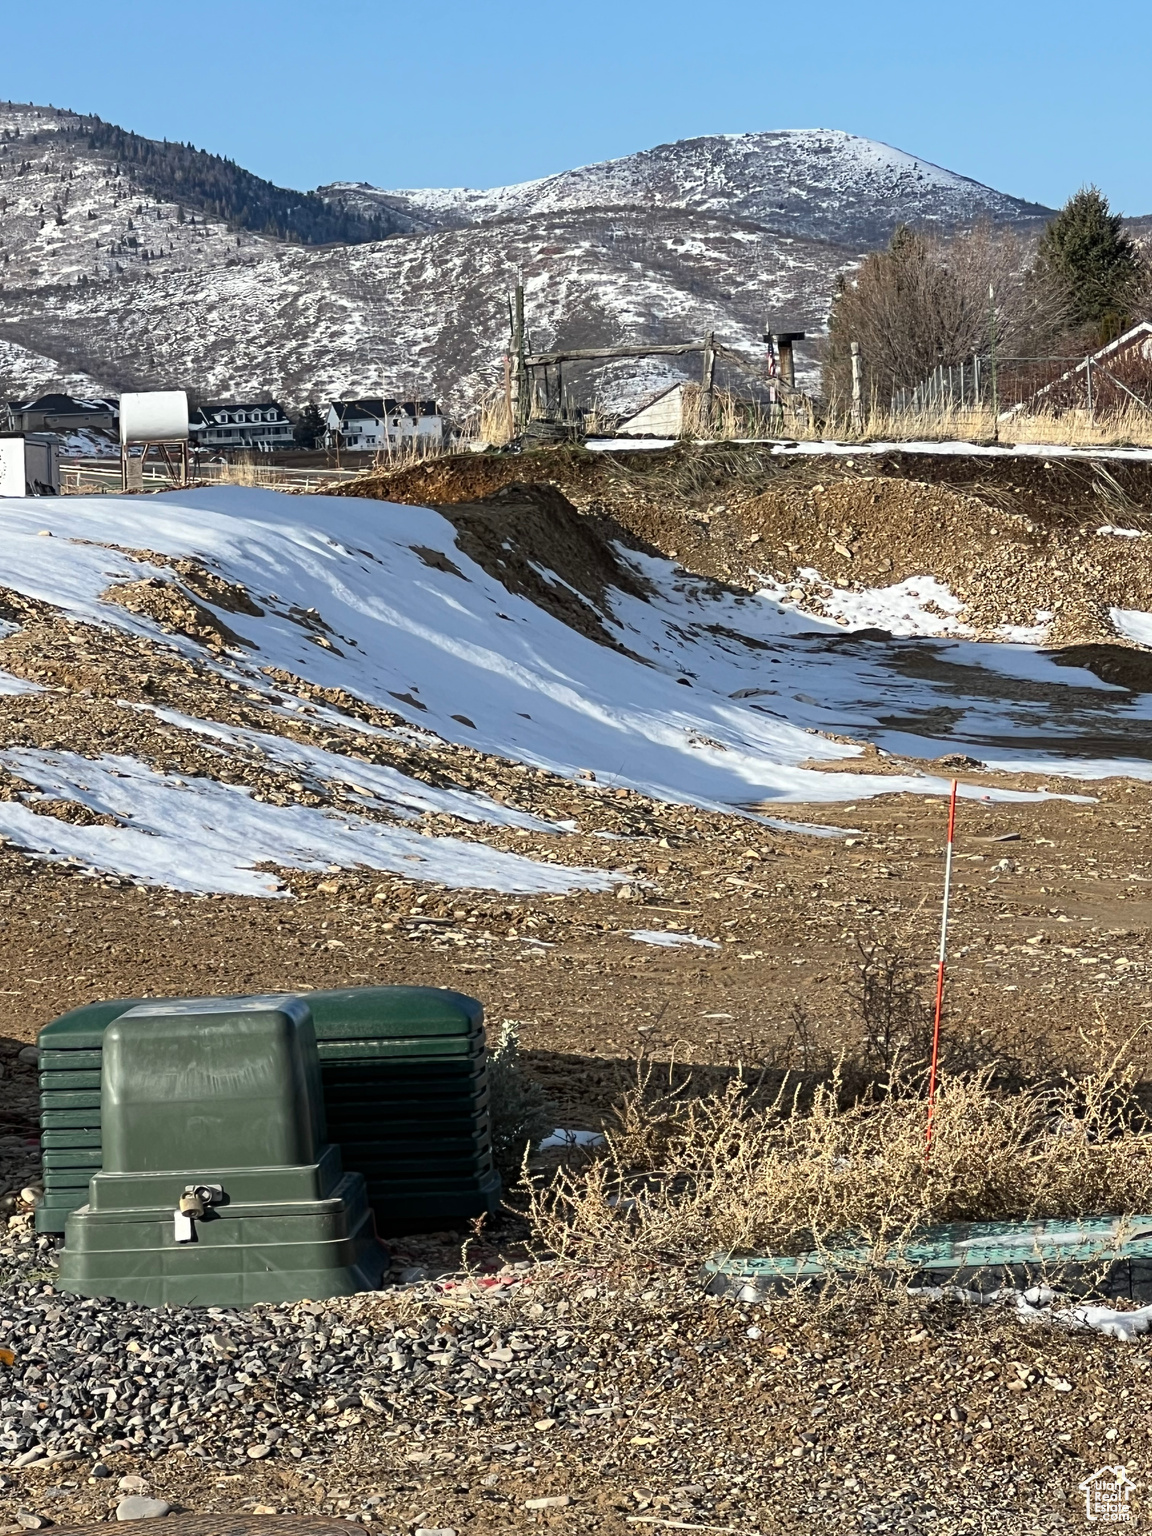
263	426
369	425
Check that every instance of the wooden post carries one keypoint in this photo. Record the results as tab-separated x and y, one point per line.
707	378
519	368
857	402
1088	371
787	361
511	421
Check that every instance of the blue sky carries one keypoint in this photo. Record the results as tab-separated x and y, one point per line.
1020	94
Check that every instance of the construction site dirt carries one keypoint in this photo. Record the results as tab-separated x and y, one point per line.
728	941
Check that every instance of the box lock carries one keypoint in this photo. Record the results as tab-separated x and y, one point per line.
195	1203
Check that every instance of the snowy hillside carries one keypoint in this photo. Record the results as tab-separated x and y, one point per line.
819	184
709	698
429	316
115	280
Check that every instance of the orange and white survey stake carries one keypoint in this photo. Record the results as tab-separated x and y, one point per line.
940	971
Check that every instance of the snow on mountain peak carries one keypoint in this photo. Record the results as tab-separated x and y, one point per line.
818	183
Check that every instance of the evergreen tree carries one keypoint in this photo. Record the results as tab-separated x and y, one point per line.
1085	258
309	428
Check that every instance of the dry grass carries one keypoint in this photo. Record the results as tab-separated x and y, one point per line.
1125	426
681	1176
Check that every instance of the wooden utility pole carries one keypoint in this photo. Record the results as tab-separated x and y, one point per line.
707	379
520	404
857	401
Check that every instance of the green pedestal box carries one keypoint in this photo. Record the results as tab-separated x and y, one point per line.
405	1093
215	1107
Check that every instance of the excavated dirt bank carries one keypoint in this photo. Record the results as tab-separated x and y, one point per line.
1018	541
872	1414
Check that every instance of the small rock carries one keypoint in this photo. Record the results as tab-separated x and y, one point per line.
434	1530
257	1452
557	1501
30	1522
133	1484
28	1056
544	1423
99	1470
137	1507
32	1194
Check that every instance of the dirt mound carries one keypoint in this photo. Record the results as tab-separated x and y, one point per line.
1006	566
533	541
435	482
1024	543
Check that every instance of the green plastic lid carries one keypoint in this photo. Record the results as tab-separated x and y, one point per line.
83	1028
383	1013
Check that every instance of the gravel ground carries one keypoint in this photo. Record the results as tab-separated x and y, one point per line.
462	1404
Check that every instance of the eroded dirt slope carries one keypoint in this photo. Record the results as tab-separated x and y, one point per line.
1013	539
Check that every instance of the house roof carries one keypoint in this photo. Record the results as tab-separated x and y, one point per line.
363	410
669	389
1142	331
206	414
65	405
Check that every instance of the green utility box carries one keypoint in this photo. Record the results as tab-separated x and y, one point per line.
405	1091
71	1052
218	1186
406	1094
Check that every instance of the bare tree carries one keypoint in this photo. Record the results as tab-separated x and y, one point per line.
923	302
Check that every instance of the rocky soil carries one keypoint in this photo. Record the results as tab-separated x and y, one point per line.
1012	538
573	1400
471	1388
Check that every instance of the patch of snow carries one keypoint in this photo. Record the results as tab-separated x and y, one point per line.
195	834
670	940
919	605
1133	624
1123	533
570	1139
374	783
734	700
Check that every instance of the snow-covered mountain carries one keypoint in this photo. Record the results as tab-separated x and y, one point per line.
114	278
820	184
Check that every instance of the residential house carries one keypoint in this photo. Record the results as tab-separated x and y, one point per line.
63	413
263	426
369	425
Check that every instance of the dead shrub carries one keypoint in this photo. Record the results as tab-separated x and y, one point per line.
522	1113
682	1177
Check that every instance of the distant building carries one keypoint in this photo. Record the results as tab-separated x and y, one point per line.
673	412
1094	381
263	426
368	425
62	413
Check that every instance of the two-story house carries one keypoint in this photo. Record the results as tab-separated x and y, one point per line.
369	425
62	413
263	426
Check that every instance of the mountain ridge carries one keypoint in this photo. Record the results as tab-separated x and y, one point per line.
112	279
816	183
